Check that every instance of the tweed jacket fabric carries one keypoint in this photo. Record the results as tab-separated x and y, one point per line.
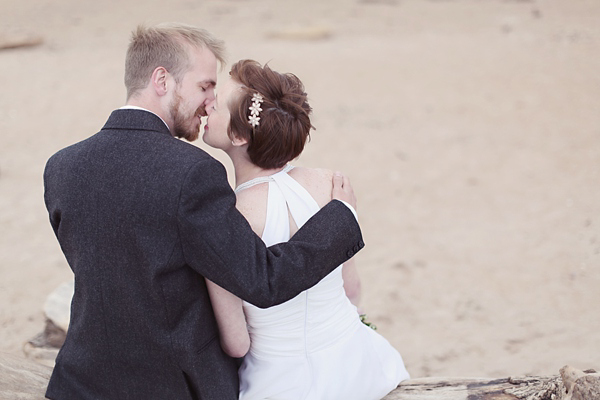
142	218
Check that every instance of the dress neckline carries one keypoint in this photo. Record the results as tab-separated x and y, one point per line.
261	179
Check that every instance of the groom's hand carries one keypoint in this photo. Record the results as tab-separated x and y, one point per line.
342	190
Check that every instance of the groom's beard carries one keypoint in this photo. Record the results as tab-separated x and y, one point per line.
186	127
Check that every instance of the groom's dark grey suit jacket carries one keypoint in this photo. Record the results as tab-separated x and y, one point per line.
142	218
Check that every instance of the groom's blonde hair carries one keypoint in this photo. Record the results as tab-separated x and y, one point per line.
164	45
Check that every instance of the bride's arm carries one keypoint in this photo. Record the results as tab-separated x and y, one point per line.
351	282
235	340
231	320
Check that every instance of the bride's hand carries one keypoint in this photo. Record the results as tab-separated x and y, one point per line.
342	190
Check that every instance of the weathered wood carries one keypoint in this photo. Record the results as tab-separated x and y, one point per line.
57	306
578	385
22	379
44	347
453	389
587	388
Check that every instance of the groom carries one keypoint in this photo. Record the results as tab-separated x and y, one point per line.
143	217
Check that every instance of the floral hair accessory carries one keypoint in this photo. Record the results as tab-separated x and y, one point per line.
255	109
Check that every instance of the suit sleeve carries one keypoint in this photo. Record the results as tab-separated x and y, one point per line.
220	245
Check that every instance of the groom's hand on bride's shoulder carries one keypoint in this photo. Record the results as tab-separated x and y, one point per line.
342	190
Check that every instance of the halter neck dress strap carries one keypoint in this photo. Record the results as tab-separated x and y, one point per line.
262	179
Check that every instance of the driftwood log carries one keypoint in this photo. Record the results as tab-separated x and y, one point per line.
571	384
24	379
44	347
472	389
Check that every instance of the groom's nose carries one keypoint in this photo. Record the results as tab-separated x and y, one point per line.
209	107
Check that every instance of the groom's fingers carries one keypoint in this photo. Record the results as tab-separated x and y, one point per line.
338	180
342	189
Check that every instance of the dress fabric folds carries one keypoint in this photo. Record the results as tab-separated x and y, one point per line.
313	346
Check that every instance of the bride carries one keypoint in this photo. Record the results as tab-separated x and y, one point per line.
315	345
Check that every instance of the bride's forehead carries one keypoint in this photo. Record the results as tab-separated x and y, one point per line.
228	87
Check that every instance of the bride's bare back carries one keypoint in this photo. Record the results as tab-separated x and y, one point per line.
252	202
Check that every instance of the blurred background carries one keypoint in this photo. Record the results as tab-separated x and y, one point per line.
470	130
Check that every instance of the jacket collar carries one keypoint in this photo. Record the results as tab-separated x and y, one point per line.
136	120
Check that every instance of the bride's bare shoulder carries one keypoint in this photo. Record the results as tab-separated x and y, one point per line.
252	203
317	181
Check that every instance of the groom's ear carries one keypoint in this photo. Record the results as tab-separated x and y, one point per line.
160	81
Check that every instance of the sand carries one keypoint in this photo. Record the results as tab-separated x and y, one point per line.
470	130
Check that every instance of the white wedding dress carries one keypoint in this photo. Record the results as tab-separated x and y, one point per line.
313	346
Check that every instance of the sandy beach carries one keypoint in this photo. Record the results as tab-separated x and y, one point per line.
470	130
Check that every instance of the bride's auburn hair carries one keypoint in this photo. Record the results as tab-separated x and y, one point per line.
284	124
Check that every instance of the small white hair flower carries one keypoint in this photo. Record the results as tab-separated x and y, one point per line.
255	109
253	119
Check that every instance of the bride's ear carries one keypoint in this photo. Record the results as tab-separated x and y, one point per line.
238	141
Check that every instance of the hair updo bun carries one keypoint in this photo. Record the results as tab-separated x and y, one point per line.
284	124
